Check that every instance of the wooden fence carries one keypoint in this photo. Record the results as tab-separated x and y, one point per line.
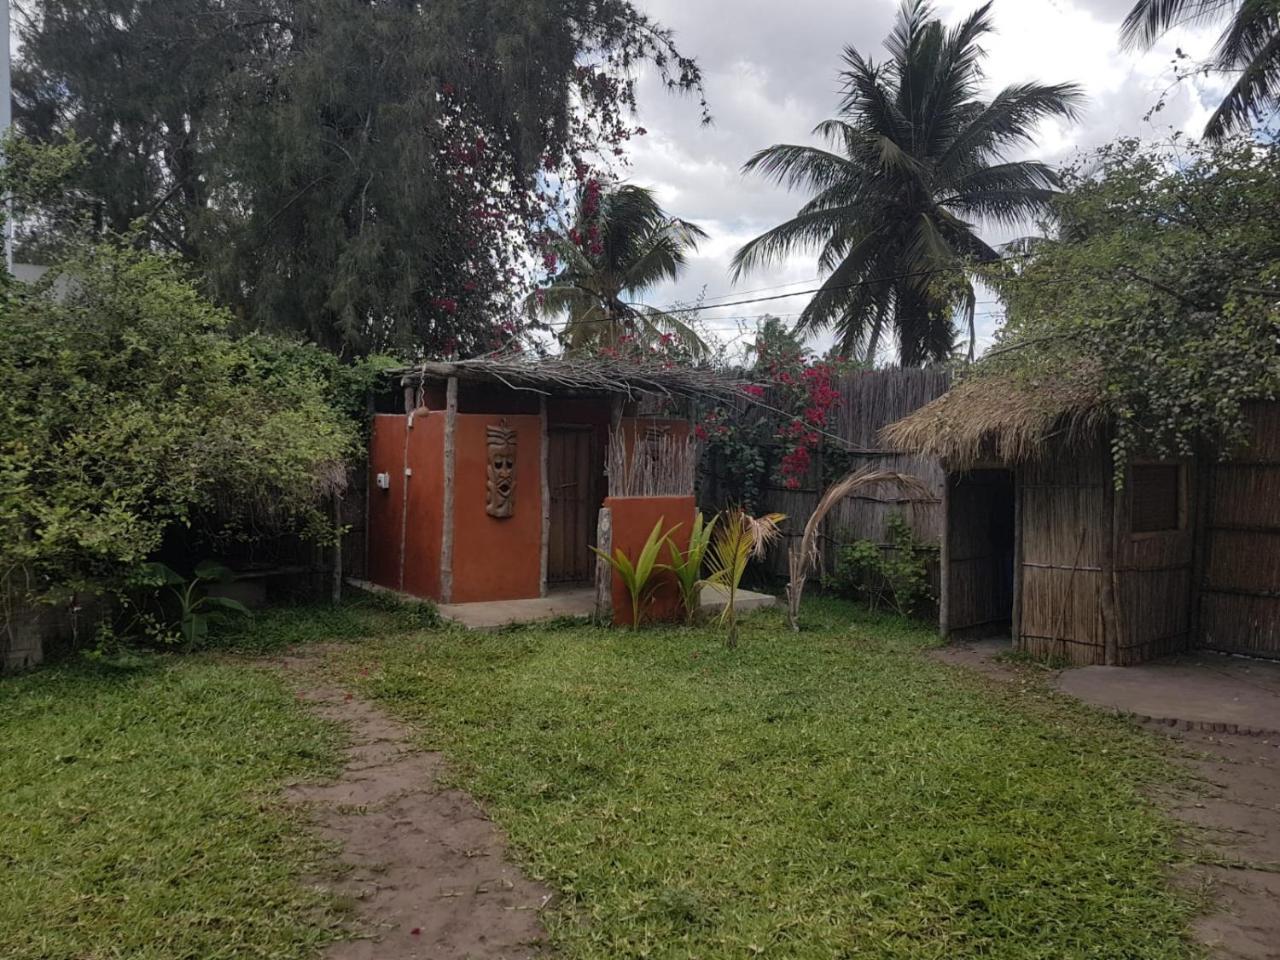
869	400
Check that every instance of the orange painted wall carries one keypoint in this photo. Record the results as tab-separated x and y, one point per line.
386	455
496	559
633	520
424	523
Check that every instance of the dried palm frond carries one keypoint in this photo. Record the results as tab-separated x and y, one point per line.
803	557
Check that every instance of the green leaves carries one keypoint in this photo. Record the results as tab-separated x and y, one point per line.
1156	293
686	567
892	204
622	243
637	576
740	537
127	407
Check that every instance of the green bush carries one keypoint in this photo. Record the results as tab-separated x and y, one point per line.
897	577
127	407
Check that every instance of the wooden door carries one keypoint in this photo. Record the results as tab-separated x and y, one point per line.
571	472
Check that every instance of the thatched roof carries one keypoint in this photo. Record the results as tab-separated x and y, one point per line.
1000	417
561	375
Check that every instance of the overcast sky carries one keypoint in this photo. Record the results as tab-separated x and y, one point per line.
770	69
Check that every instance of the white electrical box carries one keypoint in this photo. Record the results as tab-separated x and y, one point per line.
384	481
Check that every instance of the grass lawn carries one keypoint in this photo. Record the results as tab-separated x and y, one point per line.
829	794
137	816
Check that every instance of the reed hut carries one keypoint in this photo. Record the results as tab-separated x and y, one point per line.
1038	543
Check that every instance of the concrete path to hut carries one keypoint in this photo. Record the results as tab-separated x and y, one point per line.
427	870
1204	690
1220	716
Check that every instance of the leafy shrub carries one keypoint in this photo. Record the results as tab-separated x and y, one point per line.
127	407
897	577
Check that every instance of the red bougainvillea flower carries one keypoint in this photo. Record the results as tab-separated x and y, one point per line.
753	390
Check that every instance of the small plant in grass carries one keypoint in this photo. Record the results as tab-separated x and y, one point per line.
897	577
195	607
686	566
739	538
638	576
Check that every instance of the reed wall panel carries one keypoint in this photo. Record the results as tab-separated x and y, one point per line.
1152	605
1246	561
1264	434
1063	525
1240	624
1246	495
1075	652
869	401
1239	601
1062	604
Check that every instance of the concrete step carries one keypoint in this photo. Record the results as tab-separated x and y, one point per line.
714	598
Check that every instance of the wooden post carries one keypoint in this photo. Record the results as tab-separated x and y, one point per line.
604	571
1110	609
446	537
1203	474
1015	614
404	501
335	587
370	409
545	484
944	561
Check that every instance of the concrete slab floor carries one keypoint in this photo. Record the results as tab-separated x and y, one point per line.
1199	689
491	614
576	602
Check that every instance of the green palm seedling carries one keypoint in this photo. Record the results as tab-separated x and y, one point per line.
638	577
686	566
739	538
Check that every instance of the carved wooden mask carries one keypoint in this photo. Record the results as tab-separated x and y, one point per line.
500	499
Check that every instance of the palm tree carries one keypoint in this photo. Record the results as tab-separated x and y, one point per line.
621	244
1250	46
915	157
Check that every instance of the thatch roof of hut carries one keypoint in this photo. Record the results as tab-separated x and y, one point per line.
561	375
1001	417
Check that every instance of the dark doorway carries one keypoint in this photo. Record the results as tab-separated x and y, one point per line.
572	467
978	579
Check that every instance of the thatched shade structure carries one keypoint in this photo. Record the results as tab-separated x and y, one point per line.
1039	543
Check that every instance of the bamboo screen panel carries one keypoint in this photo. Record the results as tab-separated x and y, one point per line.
1155	540
869	401
1240	594
1065	524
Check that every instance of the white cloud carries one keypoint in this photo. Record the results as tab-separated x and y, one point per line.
770	71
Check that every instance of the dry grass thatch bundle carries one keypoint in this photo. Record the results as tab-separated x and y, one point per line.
1000	417
805	556
665	465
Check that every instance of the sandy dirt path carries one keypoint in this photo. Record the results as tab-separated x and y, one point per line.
426	869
